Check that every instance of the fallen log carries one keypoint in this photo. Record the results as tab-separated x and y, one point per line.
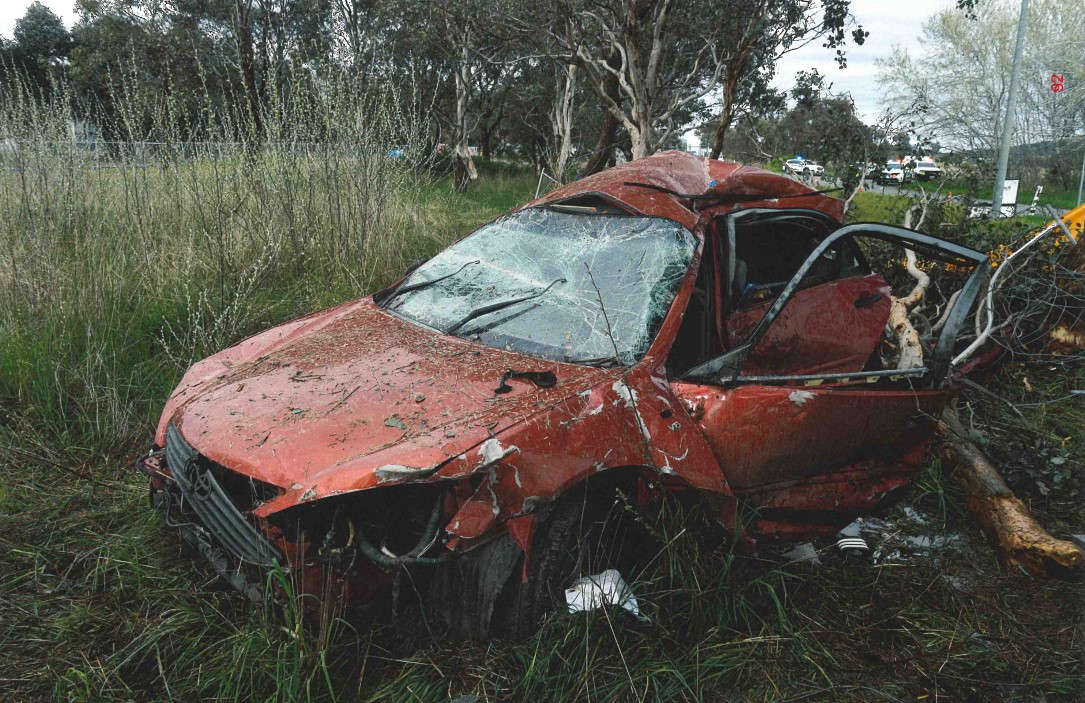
1006	521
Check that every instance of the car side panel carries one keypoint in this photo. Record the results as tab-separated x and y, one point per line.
800	452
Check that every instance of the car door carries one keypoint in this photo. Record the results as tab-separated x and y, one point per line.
836	315
808	449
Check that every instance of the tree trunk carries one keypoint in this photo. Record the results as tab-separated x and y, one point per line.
602	156
463	166
246	57
561	120
730	89
736	68
485	136
1009	526
722	126
640	140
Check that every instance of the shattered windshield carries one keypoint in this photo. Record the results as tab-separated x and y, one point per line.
532	282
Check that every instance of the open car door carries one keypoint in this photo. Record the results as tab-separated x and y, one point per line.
809	451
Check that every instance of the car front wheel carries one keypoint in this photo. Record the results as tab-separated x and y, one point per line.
586	533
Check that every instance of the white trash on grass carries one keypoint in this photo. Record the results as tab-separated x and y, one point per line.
598	590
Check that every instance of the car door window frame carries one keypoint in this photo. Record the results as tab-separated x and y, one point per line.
734	219
725	368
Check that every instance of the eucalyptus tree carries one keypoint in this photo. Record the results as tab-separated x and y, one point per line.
755	34
958	76
649	62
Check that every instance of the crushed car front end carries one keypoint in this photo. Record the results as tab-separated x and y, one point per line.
431	420
346	546
211	508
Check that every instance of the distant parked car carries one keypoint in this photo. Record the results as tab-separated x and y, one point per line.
803	167
927	170
894	174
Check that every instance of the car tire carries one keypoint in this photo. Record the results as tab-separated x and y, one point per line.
584	534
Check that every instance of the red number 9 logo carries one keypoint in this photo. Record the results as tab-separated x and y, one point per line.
1058	82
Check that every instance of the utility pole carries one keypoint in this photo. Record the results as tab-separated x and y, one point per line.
1007	126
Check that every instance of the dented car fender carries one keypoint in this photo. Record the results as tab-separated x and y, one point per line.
635	421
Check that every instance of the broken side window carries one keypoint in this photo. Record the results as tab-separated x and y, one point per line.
769	247
896	317
583	288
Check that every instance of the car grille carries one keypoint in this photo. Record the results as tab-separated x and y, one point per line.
206	497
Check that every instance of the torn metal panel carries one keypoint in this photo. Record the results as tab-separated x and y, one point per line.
765	435
821	331
463	591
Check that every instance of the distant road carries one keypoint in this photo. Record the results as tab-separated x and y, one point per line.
1022	209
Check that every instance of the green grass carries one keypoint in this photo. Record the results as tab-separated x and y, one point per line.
113	280
1058	198
944	219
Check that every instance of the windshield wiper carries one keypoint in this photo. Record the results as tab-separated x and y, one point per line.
603	361
423	284
494	307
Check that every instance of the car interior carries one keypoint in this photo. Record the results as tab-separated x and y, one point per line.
742	271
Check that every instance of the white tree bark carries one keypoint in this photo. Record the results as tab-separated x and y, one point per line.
561	120
464	165
908	340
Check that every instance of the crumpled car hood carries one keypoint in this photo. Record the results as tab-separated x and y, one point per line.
333	398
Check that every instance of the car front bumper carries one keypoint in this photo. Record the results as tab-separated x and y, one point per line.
246	552
167	497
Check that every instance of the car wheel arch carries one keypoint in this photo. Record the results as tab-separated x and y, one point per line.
529	591
478	593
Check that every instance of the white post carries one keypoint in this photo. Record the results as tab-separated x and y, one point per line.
1007	126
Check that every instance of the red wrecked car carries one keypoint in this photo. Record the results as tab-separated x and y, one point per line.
673	324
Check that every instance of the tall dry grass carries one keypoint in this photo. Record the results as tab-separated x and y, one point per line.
122	262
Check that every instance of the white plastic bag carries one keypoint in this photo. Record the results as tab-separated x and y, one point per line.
607	588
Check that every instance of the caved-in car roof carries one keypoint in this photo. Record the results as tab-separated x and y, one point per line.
731	185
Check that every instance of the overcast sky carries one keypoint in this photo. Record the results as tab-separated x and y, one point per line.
888	21
11	10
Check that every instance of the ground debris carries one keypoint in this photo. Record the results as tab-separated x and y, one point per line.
804	553
598	590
